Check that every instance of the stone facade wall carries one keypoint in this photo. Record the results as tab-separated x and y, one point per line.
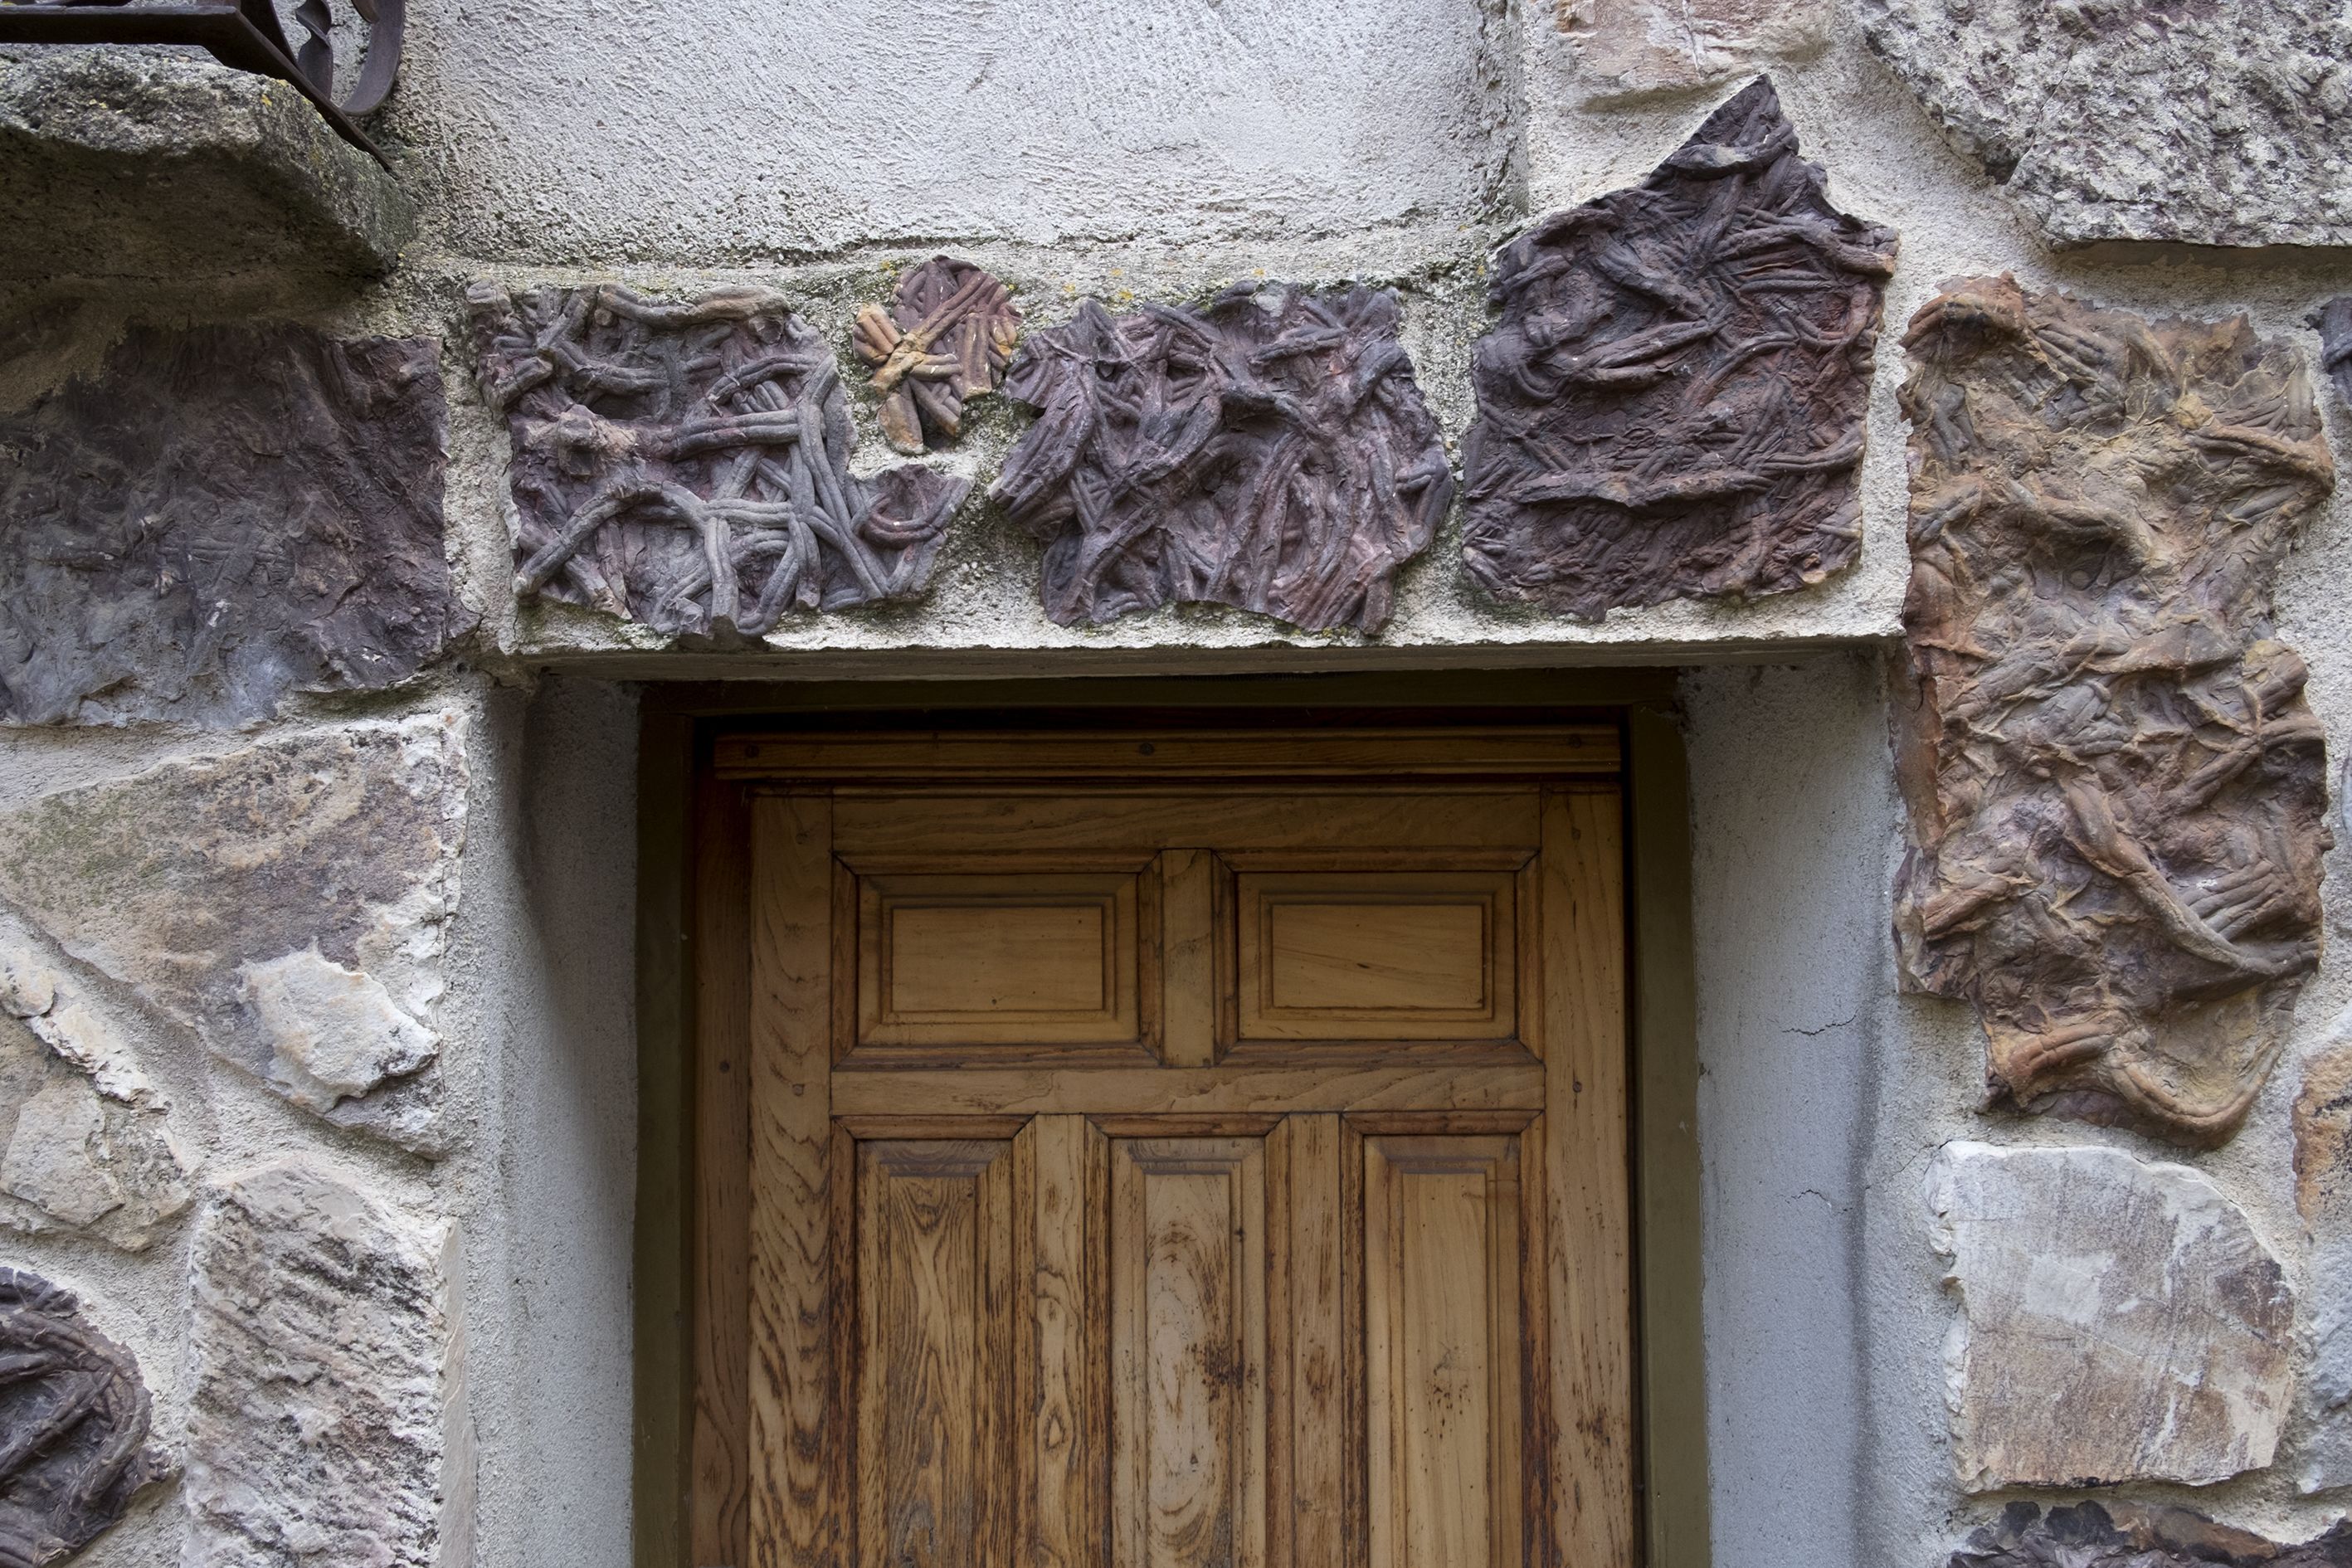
1976	453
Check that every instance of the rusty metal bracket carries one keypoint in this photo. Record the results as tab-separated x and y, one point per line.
244	34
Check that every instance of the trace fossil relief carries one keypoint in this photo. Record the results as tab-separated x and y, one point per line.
1672	402
944	340
687	464
2334	321
1270	450
220	516
2137	1535
73	1425
2117	788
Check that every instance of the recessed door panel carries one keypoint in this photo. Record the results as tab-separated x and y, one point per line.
934	1306
1012	958
1443	1356
1376	955
1188	1352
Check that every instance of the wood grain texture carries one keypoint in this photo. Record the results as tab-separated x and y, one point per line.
1070	1398
720	1521
1134	760
1082	1311
1268	450
1587	1171
1315	1349
1443	1350
1188	905
1228	1087
1188	1352
1008	958
2118	790
795	1410
936	1284
1237	820
1361	956
74	1453
1672	403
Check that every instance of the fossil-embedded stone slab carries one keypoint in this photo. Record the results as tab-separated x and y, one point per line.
132	163
2203	121
945	339
2334	321
2120	1321
686	464
290	900
1672	402
217	517
329	1423
1269	450
2137	1535
86	1146
2117	788
74	1419
2323	1194
1630	46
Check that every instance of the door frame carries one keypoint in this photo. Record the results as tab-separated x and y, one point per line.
680	726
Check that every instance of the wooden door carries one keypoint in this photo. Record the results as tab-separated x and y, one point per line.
1171	1152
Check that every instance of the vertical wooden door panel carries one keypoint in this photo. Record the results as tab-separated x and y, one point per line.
935	1304
796	1416
1315	1361
1588	1207
1188	1352
720	1518
1069	1396
1442	1329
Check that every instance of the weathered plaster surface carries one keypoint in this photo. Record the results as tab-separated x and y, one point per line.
747	128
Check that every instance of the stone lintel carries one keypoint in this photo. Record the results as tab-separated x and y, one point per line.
136	163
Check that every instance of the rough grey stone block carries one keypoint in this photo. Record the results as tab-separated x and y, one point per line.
1628	48
127	164
2216	122
2121	1321
329	1422
290	901
86	1147
220	516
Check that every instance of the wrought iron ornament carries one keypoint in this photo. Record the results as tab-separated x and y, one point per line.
1270	450
687	465
73	1425
244	34
1672	403
944	340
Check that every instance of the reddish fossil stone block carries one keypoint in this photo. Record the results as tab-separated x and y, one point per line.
1672	402
950	329
686	464
1270	450
2118	791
